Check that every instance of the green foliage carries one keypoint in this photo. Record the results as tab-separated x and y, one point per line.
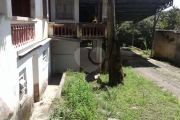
78	98
138	99
170	19
89	44
143	32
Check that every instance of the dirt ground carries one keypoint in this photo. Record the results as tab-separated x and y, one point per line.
164	75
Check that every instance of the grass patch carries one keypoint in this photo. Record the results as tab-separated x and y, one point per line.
138	99
78	101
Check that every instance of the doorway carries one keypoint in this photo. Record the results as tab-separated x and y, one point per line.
89	10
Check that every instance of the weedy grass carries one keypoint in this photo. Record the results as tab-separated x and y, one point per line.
78	100
137	99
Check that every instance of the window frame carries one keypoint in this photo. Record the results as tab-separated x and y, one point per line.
18	9
65	5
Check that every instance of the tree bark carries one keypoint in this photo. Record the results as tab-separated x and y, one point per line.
113	55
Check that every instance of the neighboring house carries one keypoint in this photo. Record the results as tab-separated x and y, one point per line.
24	56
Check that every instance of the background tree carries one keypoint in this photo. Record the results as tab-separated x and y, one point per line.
169	20
143	32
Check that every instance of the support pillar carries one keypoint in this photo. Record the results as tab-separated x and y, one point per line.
153	33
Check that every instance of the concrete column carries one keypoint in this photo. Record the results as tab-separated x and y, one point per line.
104	10
50	28
99	53
94	44
36	77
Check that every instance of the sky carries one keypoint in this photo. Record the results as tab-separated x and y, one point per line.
175	3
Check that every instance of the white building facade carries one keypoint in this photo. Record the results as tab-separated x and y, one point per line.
28	56
24	56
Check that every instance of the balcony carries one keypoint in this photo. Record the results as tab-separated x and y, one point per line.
65	30
22	34
81	30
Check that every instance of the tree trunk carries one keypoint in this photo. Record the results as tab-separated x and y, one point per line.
113	56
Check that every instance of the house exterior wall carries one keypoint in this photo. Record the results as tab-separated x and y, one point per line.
63	56
26	65
41	70
104	10
76	13
167	45
8	76
11	65
5	8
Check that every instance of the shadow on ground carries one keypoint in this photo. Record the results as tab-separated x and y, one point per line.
170	62
55	79
134	60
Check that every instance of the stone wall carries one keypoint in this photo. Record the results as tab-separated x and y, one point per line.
167	45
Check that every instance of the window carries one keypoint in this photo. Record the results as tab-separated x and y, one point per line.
45	59
64	9
44	8
21	8
22	84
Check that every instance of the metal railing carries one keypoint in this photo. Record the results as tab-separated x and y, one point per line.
22	33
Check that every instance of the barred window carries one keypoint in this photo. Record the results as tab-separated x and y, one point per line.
22	84
45	59
64	9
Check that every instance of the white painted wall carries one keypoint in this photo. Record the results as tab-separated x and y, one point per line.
41	24
27	64
104	9
5	8
76	13
10	65
8	72
63	55
41	68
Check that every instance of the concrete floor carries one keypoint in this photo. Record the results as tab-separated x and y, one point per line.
42	108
